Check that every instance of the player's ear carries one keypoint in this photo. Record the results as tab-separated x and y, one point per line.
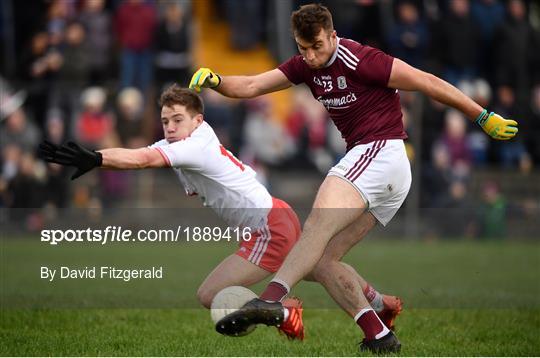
199	118
333	37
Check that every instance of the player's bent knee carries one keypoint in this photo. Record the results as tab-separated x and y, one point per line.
205	296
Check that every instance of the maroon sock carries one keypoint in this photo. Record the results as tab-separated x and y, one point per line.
370	324
274	292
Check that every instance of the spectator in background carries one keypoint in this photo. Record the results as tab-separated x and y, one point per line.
517	42
18	130
11	156
493	212
506	101
55	126
129	118
73	73
436	178
97	23
27	20
346	15
18	137
135	24
480	11
447	177
264	135
408	39
445	195
57	20
433	114
173	47
95	129
457	217
38	69
359	20
247	21
95	125
455	141
481	92
458	43
511	153
26	191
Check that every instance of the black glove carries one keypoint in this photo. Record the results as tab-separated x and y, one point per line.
71	154
47	150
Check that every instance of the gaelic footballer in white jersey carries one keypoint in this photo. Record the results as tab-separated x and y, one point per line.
205	168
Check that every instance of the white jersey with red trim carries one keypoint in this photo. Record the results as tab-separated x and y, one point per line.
205	168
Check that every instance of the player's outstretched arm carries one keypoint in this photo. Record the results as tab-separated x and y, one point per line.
408	78
75	155
240	86
141	158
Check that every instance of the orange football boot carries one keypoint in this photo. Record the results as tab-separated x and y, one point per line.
293	327
392	308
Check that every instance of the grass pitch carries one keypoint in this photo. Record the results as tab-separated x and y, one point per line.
461	298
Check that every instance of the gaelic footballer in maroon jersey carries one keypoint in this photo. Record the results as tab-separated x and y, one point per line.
352	86
358	86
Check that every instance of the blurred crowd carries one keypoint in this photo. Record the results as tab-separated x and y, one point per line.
91	70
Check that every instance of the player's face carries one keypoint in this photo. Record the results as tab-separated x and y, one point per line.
178	123
317	53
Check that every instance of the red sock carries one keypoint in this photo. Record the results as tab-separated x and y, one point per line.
275	291
374	298
370	292
371	325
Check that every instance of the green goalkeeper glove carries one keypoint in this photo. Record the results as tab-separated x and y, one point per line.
204	77
71	154
496	126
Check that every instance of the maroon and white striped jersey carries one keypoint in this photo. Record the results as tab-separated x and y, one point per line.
353	88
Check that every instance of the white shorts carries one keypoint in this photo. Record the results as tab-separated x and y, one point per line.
381	172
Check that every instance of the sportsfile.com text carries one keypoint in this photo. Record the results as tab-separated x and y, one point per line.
119	234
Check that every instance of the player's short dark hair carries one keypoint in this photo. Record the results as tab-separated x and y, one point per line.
184	97
308	20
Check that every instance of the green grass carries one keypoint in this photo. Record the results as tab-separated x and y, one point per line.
462	298
181	332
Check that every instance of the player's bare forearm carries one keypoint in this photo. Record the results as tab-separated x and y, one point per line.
141	158
238	87
445	93
408	78
253	86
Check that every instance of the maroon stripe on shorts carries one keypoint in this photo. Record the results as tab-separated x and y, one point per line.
360	161
379	147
